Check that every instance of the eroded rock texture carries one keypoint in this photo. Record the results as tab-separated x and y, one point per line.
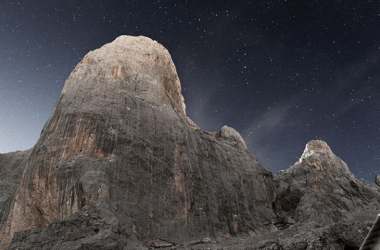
91	228
339	236
119	138
12	166
320	188
119	165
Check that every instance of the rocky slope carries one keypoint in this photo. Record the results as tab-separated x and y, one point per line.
119	165
321	188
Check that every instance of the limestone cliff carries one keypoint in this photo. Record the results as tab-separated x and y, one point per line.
118	142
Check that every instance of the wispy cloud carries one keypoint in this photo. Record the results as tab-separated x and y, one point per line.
272	121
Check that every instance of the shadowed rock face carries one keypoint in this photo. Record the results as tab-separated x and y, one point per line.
119	138
11	167
321	188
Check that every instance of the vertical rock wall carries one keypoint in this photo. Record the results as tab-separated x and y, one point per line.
119	138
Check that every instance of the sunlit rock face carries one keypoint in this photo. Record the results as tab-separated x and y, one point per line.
119	143
316	148
321	188
135	65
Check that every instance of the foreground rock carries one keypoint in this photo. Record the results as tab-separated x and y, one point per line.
339	236
87	229
119	138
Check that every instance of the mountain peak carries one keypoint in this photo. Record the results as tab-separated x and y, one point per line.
229	133
315	147
317	186
138	66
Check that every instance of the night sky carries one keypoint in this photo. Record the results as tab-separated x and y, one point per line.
280	72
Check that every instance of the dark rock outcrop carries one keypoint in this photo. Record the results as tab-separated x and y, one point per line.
91	228
119	138
12	166
339	236
320	188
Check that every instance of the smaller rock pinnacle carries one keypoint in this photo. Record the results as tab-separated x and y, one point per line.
315	147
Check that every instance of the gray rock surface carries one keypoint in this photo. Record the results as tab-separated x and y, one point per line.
320	188
231	135
89	231
119	165
339	236
91	228
119	138
12	166
377	179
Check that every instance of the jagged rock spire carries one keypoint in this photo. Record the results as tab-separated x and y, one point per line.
377	179
315	147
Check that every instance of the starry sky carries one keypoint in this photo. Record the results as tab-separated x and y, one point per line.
281	72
